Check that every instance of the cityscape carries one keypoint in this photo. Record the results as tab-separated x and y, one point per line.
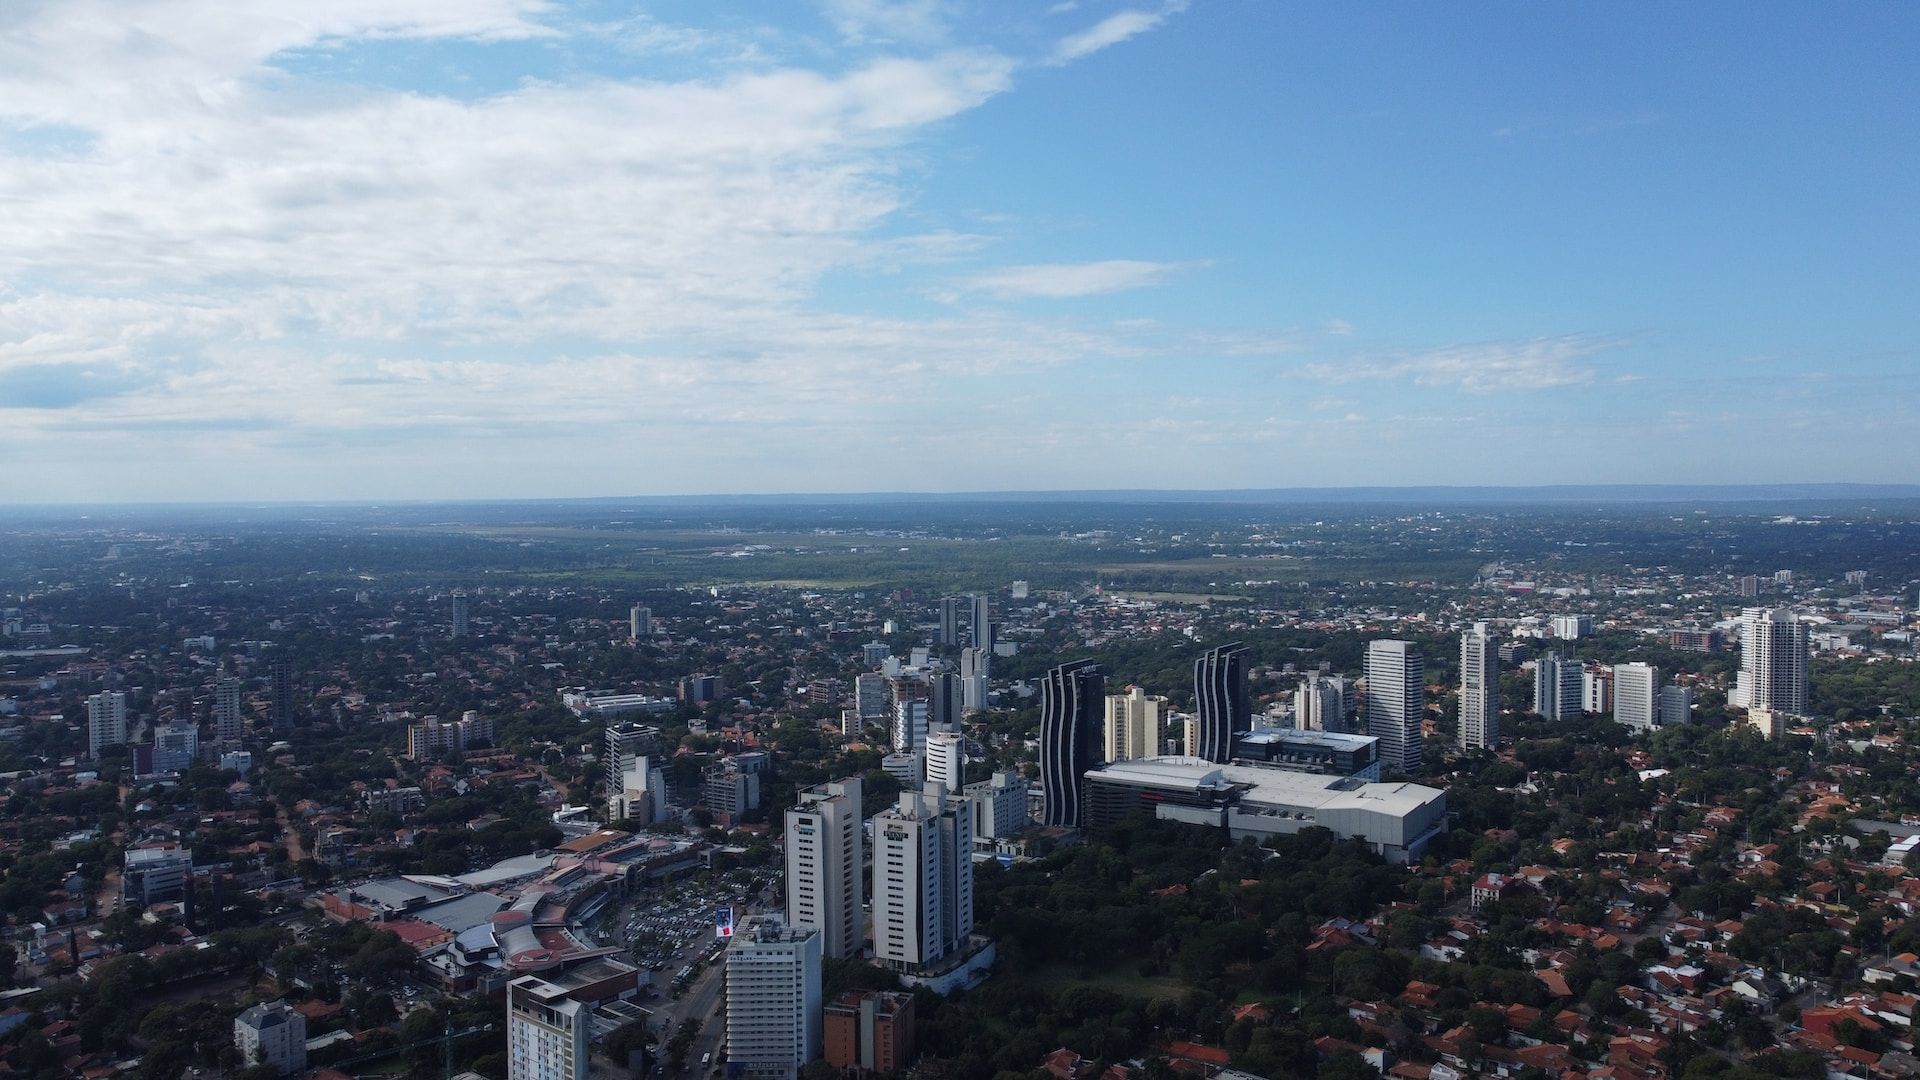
946	540
1214	789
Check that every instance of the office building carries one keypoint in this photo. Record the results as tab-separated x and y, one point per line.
1221	701
1773	661
152	874
1132	726
1750	585
947	759
547	1031
1397	703
826	866
944	701
872	697
773	999
948	632
974	667
1572	627
640	794
869	1032
229	722
909	769
459	613
1676	705
1479	689
981	635
1071	699
1395	820
272	1034
729	791
1558	690
639	622
106	721
176	745
699	689
999	806
922	880
1332	753
1636	696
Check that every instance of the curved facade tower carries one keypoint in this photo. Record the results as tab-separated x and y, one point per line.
1220	700
1072	714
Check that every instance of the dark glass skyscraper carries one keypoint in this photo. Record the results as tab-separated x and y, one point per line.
1220	700
1072	701
280	681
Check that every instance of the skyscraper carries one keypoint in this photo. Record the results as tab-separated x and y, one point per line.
459	613
106	721
947	760
228	721
1636	696
1132	725
1071	699
1221	700
626	744
946	699
1558	690
911	701
922	880
774	1007
1397	703
1479	689
280	680
982	635
826	866
1773	661
639	622
949	629
546	1031
974	666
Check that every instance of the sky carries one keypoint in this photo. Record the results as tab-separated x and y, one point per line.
464	249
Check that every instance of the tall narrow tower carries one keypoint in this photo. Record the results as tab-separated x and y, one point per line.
1221	700
1072	697
1479	689
1396	703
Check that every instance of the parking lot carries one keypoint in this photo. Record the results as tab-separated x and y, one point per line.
671	933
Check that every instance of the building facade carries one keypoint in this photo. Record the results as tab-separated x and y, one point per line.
1558	692
922	880
1133	725
547	1032
1397	703
1636	696
826	866
1773	661
1479	689
272	1034
106	721
1222	705
1071	697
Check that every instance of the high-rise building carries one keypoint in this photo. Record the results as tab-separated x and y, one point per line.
948	632
1636	696
773	998
1572	627
699	689
106	721
547	1031
1221	700
639	622
945	700
1596	686
1316	706
1397	703
280	687
459	613
911	702
999	806
826	866
640	795
871	695
947	759
175	746
272	1034
229	723
1773	661
869	1032
975	665
922	880
1479	689
626	744
1676	705
1132	725
981	636
1558	692
1071	698
1750	585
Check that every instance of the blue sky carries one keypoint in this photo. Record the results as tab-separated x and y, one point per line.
388	249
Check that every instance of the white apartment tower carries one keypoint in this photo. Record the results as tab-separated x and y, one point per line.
546	1032
106	721
1397	703
1317	706
826	867
639	622
911	703
947	760
774	1006
1132	725
922	880
1636	696
1773	661
1479	689
1558	692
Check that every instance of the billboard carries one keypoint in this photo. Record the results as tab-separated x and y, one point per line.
723	923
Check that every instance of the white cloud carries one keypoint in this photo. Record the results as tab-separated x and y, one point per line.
1058	281
889	20
1480	368
1113	30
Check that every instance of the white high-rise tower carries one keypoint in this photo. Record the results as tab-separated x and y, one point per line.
922	880
1636	696
1397	703
1479	689
826	866
106	721
1773	661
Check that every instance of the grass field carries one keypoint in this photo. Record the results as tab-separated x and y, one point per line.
1125	983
